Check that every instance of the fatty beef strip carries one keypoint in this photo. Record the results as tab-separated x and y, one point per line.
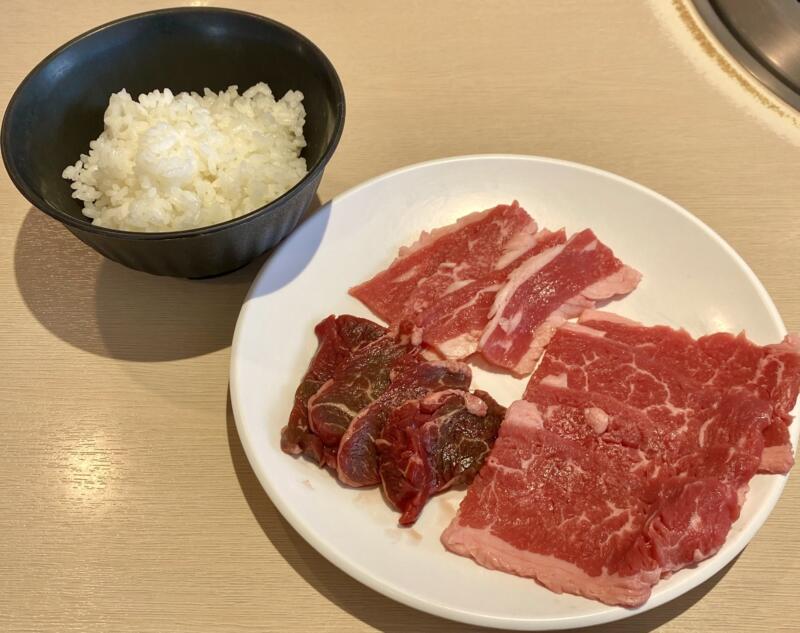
453	324
546	291
445	259
491	282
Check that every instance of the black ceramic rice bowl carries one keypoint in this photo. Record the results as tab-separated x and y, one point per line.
59	108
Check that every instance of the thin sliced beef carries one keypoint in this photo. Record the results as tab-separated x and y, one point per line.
590	496
446	259
617	469
689	523
357	459
545	291
339	337
453	324
432	444
721	360
710	435
544	507
357	383
583	358
491	283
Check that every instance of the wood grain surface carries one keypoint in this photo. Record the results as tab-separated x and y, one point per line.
126	501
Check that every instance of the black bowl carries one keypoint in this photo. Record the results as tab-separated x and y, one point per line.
59	108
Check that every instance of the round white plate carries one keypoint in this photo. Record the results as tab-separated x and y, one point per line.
692	278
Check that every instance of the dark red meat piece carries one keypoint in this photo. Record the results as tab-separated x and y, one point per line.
454	323
544	292
430	445
356	383
339	337
357	459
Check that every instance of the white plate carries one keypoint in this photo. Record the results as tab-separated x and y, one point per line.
692	278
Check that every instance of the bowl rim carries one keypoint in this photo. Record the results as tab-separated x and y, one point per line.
85	224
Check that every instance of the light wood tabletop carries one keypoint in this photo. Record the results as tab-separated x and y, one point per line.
126	500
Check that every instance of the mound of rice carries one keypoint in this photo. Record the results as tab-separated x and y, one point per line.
170	162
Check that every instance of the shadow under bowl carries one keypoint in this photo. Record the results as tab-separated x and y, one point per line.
59	108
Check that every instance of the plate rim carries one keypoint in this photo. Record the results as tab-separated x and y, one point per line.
363	575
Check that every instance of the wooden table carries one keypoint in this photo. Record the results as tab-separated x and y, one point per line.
126	501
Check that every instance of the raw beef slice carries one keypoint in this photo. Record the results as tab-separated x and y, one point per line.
583	358
616	469
712	436
446	259
339	337
357	459
544	292
544	508
722	360
453	324
355	384
587	496
432	444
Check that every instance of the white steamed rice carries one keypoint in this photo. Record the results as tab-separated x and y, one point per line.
170	162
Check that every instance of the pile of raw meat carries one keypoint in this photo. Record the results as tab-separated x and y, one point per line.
491	283
629	456
375	410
